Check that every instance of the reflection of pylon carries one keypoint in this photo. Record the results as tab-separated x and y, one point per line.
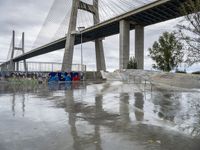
69	46
14	48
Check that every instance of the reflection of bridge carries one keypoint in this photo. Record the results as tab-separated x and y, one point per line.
155	12
127	120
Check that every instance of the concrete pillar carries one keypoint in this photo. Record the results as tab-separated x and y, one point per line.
25	65
124	44
139	46
69	46
100	59
7	67
17	66
13	45
11	66
2	67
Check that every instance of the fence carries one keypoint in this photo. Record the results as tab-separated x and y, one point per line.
48	66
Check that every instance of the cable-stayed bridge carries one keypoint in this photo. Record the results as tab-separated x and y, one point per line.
106	18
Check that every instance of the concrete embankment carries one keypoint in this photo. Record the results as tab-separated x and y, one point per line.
93	76
157	78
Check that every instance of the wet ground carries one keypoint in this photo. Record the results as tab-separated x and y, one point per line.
104	116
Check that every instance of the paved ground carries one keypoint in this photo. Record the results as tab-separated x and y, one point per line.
107	116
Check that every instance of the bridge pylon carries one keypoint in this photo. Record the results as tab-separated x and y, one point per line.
14	66
69	46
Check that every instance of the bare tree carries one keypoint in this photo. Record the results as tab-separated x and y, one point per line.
189	30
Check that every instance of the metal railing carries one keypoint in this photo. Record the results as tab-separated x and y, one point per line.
47	67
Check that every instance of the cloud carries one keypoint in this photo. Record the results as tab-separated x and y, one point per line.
21	16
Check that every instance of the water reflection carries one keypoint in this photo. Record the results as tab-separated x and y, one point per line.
73	108
91	123
23	104
98	111
166	105
13	104
66	86
139	103
124	108
22	97
98	105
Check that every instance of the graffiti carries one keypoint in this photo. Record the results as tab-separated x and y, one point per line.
65	76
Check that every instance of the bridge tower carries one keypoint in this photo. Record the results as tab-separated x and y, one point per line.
69	46
14	66
124	44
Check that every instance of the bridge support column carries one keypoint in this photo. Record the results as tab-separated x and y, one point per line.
100	59
23	51
3	67
124	44
69	46
139	46
6	67
17	66
11	66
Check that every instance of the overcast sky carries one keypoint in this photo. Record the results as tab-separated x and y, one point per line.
28	16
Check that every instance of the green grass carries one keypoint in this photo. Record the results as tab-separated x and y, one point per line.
22	81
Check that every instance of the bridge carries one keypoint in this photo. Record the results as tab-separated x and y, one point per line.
136	19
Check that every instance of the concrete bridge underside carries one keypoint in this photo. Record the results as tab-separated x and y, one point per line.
137	19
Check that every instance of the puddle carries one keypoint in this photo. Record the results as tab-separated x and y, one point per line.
105	116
